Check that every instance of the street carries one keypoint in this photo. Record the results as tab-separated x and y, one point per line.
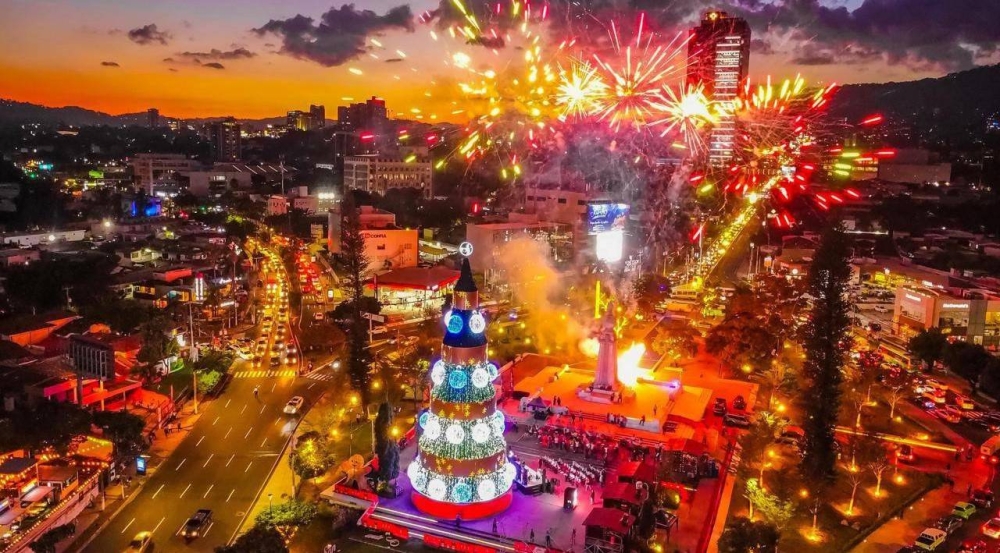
221	465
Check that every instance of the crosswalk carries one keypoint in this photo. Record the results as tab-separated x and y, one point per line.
264	373
321	376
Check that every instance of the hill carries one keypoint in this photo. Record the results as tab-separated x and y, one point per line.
945	107
17	113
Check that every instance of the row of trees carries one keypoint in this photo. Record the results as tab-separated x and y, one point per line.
970	361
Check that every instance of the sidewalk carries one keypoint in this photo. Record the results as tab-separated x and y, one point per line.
95	518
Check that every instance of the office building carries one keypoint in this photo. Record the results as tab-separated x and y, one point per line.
370	115
225	140
488	240
376	173
718	60
318	116
152	118
148	169
298	121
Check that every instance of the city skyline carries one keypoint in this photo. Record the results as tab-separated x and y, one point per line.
253	60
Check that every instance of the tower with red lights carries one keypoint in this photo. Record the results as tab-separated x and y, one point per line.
461	469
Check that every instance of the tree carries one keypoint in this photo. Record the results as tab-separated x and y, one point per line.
928	346
649	290
758	439
867	371
125	431
214	360
898	384
741	340
355	264
678	340
258	539
310	458
286	517
778	377
774	509
385	446
46	424
46	543
157	345
966	360
864	450
745	536
877	464
826	343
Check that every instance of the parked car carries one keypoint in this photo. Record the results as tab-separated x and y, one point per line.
964	403
719	409
930	539
792	435
949	524
963	510
947	416
739	404
197	524
739	421
992	528
982	498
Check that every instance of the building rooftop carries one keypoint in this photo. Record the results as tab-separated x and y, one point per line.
29	323
421	278
17	465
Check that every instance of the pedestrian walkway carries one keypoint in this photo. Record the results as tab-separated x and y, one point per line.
265	373
320	375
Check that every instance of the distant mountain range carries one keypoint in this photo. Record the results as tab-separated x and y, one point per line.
948	106
18	113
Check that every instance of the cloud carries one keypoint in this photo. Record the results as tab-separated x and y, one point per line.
942	33
216	54
761	46
213	65
149	34
810	54
110	64
338	37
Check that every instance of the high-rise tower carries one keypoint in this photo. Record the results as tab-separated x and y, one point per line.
719	60
462	468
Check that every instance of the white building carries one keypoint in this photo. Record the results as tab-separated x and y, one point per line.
150	168
377	173
277	205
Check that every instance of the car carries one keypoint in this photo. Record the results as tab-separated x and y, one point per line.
949	524
739	404
964	403
973	545
719	409
739	421
275	359
197	524
941	386
982	498
319	316
279	345
141	542
954	411
930	539
936	399
792	435
294	405
947	416
905	454
992	528
963	510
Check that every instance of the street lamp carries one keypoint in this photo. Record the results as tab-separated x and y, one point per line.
270	504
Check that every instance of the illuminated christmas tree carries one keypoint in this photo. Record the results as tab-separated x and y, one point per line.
461	469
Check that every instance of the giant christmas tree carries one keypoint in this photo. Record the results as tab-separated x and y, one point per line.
462	468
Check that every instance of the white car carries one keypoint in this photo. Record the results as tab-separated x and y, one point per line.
992	528
930	539
293	405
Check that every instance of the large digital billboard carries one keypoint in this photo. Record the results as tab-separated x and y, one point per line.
606	217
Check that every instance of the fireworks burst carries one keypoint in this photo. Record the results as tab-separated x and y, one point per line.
688	112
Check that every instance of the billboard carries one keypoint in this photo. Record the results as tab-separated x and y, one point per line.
606	217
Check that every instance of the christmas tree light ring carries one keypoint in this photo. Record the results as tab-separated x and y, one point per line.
455	323
487	490
481	378
497	422
438	373
480	433
477	323
437	489
458	379
455	434
509	473
433	429
413	471
424	417
494	372
461	493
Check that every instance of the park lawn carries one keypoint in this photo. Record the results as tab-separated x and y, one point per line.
179	379
869	512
